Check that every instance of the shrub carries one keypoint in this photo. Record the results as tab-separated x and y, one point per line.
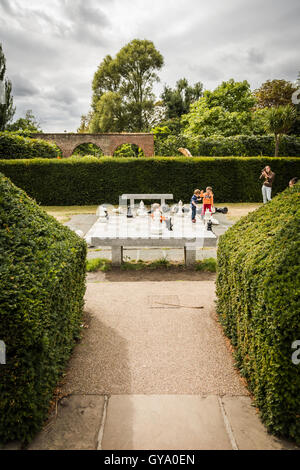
240	145
13	146
258	306
89	180
42	271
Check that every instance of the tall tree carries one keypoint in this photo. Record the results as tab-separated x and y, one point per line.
279	121
129	79
7	109
178	100
226	111
274	93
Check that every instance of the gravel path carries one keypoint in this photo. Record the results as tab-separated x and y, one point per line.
152	338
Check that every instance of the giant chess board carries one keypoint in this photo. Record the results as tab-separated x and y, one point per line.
117	229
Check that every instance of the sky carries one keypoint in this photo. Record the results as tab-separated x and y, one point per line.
54	47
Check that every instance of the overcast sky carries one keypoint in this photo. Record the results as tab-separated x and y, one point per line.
53	47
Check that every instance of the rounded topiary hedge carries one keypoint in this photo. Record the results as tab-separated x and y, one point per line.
42	275
14	146
259	307
91	180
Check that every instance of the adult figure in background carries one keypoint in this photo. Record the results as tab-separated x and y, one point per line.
268	175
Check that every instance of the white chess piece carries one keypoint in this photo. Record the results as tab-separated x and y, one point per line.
156	225
180	212
141	212
101	214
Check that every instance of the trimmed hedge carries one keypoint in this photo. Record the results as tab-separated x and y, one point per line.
259	307
240	145
13	146
89	180
42	272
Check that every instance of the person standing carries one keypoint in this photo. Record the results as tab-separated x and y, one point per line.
266	189
194	201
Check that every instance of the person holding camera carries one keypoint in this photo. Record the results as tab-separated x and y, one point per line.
269	177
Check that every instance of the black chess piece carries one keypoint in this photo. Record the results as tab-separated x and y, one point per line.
129	213
169	224
209	226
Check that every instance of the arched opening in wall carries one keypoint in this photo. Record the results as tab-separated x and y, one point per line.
87	149
128	150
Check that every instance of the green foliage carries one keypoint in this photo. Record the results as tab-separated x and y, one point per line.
98	264
28	123
208	264
273	93
240	145
7	110
178	100
258	306
42	273
280	121
128	150
225	111
91	180
88	149
122	89
13	146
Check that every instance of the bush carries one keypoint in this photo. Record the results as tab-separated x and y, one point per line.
240	145
258	306
42	271
89	180
13	146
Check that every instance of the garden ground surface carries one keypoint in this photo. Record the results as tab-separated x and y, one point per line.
153	369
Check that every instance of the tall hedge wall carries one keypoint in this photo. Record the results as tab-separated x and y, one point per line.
42	278
259	307
90	180
16	146
240	145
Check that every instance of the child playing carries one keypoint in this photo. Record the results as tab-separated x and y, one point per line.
194	200
208	200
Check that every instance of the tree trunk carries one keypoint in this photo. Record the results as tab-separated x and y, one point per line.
276	145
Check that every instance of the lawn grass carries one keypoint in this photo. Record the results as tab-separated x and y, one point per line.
64	213
98	264
104	265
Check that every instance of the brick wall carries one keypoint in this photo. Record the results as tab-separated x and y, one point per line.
107	142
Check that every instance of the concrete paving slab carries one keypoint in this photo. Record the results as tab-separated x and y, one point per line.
248	430
75	427
82	222
140	422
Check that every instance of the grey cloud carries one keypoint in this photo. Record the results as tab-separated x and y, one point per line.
23	87
55	47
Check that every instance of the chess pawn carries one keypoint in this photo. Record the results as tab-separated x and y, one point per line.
102	214
129	213
180	212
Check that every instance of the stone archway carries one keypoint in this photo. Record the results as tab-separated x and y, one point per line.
107	142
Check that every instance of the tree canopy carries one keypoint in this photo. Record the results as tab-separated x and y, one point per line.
226	111
274	93
28	123
7	109
123	96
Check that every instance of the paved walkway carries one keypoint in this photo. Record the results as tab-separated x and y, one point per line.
153	371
